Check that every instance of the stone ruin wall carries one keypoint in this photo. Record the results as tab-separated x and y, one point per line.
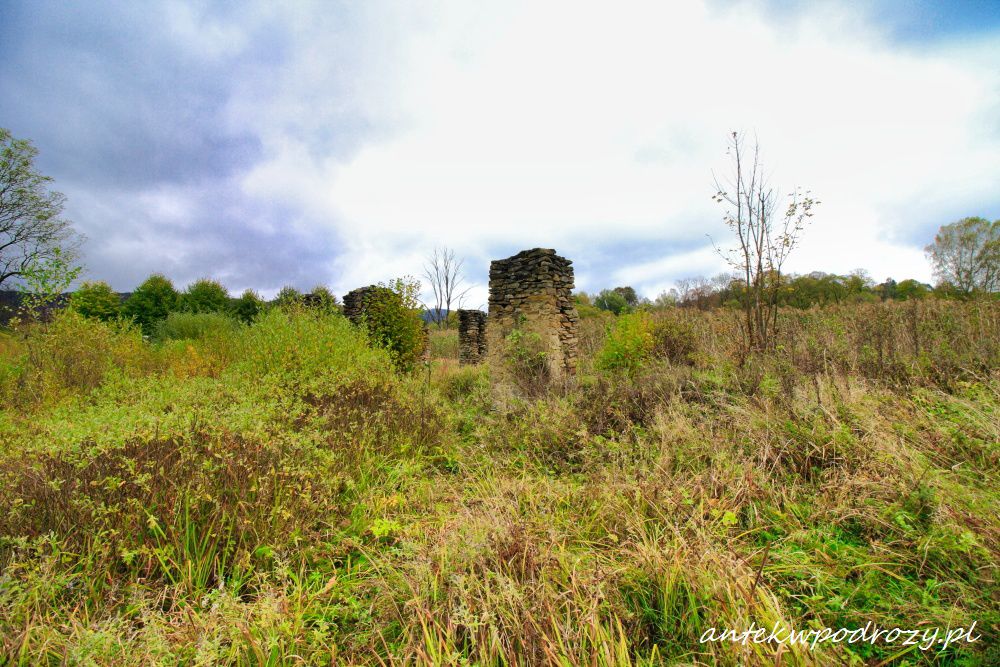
533	290
471	337
354	302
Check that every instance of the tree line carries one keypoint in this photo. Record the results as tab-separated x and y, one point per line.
156	298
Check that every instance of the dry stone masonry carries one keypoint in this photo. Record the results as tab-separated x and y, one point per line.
471	336
355	300
533	291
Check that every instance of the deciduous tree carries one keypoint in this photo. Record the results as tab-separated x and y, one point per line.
765	237
151	302
966	255
32	231
444	273
96	300
205	296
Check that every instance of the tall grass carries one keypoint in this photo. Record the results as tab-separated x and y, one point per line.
280	493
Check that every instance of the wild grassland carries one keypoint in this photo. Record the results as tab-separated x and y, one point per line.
279	494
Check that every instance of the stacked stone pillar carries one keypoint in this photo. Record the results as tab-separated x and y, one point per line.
471	337
532	290
355	301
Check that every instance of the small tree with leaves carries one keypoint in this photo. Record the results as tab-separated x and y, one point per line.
765	235
288	297
151	302
43	283
612	301
247	306
205	296
96	300
321	298
391	318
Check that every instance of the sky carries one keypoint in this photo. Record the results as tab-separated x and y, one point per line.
302	143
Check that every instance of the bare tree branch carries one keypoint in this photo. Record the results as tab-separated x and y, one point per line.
444	273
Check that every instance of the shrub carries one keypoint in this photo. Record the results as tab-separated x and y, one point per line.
151	302
525	362
628	344
322	299
205	296
393	322
301	346
673	339
96	300
444	344
613	406
73	352
612	300
247	307
192	326
288	296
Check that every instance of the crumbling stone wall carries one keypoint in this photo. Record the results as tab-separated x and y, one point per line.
533	291
471	336
355	300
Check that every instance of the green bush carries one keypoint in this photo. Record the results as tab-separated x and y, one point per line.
673	339
628	344
192	326
391	318
205	296
96	300
288	296
151	302
526	362
247	307
612	300
72	353
321	299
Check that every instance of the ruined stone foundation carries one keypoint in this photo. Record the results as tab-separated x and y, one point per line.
471	337
533	291
355	301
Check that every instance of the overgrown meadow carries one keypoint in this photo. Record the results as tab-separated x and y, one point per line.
280	494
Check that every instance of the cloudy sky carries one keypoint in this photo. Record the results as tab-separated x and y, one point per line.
299	143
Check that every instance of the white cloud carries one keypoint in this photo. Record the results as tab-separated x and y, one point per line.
579	125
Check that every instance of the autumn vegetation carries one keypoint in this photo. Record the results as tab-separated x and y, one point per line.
193	478
280	492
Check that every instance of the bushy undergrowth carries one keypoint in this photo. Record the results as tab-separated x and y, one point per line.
525	362
280	493
191	326
71	354
628	343
444	344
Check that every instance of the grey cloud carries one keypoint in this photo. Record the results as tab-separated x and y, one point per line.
240	242
126	99
113	100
